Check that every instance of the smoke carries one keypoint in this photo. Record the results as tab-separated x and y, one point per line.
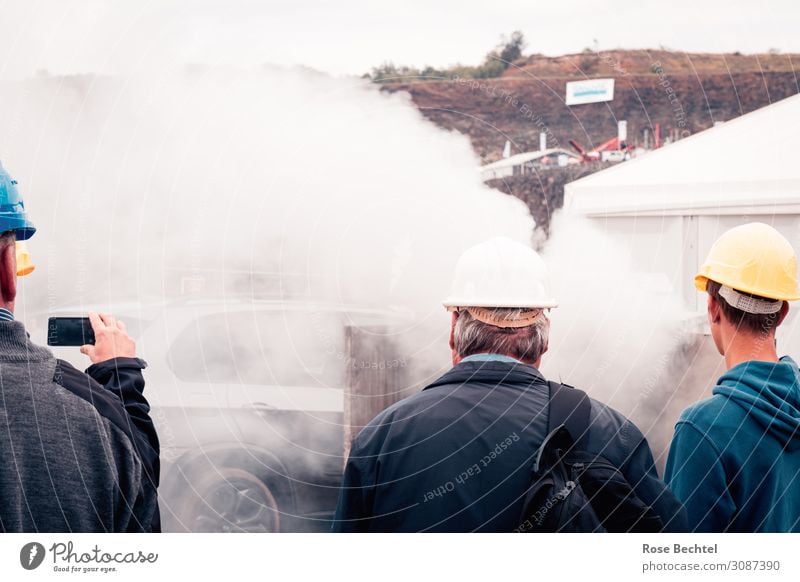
232	182
180	200
618	332
191	203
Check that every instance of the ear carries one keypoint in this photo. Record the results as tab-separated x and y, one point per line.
547	341
714	310
453	331
8	273
782	313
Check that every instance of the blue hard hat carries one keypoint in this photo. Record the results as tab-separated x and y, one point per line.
12	208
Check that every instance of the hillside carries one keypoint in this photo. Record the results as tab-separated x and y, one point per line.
640	62
684	93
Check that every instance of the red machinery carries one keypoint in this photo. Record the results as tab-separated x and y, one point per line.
591	156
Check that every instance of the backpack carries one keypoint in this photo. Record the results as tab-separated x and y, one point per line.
575	491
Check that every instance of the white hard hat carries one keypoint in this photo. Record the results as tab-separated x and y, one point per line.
500	273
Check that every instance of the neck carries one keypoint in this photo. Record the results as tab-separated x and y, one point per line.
456	358
744	348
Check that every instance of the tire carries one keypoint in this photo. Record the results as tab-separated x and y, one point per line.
230	500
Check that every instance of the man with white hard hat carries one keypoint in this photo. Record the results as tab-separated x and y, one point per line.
483	447
735	457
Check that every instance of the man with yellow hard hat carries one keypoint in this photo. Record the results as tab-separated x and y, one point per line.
735	457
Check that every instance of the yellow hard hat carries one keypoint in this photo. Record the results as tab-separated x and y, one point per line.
24	264
752	258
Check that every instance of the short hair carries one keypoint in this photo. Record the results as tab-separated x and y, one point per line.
471	336
755	323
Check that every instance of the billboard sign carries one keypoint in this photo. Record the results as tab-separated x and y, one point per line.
590	91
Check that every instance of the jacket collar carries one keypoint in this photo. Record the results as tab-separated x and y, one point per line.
490	372
16	346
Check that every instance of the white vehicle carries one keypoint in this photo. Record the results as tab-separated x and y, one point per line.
247	397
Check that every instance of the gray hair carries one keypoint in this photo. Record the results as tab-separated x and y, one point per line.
471	336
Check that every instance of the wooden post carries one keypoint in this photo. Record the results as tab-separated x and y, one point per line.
375	378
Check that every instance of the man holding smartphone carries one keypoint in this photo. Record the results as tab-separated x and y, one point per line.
78	452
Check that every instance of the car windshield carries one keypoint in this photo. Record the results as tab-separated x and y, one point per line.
285	348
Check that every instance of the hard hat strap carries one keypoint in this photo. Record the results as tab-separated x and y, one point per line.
487	315
749	304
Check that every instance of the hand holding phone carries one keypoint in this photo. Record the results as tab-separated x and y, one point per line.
111	339
103	339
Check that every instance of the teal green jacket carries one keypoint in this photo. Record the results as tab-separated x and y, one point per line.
735	457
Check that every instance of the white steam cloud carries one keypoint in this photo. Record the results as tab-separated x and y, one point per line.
289	184
230	180
617	331
339	190
231	187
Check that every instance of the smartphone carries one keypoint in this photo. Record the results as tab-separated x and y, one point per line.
69	331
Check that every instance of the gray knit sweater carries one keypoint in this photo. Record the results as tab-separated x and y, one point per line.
78	452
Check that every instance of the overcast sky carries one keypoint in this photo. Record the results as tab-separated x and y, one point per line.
350	36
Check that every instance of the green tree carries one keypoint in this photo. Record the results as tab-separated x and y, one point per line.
511	49
494	65
497	61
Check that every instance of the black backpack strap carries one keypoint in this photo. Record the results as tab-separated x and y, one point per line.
569	407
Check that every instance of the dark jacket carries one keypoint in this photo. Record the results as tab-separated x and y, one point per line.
457	456
78	452
735	457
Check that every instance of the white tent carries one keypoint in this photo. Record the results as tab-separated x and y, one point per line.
670	205
747	165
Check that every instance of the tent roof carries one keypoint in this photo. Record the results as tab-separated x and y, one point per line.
747	165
